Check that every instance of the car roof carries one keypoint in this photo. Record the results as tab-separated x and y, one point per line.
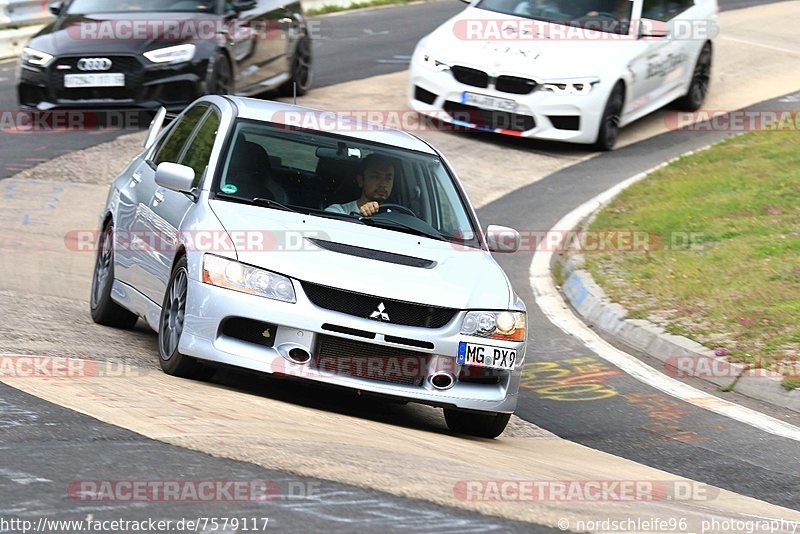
347	124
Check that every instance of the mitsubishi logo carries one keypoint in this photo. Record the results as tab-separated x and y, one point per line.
94	63
380	314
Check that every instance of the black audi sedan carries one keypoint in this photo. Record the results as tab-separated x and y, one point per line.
144	54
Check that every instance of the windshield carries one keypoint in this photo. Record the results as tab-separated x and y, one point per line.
86	7
612	16
333	176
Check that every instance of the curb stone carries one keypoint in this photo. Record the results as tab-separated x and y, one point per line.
591	303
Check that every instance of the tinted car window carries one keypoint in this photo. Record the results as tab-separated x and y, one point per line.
171	148
199	150
611	16
317	172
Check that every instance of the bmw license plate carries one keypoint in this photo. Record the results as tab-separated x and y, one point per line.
486	356
488	102
106	79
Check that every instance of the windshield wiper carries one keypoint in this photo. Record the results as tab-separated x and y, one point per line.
385	223
259	201
335	215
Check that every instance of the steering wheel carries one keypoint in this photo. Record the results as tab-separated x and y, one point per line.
397	207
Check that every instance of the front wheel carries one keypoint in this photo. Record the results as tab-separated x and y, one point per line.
701	79
170	328
104	310
480	424
609	123
300	72
220	80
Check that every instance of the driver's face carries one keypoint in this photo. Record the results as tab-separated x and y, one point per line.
377	181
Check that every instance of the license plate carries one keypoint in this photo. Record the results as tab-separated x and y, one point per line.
106	79
486	356
488	102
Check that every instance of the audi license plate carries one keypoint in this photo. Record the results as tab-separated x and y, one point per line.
488	102
105	79
486	356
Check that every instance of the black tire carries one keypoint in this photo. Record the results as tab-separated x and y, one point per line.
104	310
170	328
609	123
221	78
701	79
301	72
480	424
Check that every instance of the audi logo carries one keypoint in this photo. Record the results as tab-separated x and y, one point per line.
94	63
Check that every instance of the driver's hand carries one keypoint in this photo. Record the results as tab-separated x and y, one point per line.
369	209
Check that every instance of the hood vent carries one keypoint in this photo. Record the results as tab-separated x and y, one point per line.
376	255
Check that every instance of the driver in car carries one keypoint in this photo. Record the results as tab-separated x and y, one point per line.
375	179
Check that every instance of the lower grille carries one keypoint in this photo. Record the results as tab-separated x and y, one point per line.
423	95
489	118
370	361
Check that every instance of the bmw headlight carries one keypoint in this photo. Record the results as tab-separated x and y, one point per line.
430	61
230	274
36	58
172	54
507	325
575	86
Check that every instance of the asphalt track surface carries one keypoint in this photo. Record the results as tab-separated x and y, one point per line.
625	417
635	421
47	449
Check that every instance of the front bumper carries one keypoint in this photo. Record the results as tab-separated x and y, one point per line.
147	85
539	114
304	325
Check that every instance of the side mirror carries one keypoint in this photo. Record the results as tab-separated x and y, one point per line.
652	29
155	127
502	239
55	8
243	5
176	177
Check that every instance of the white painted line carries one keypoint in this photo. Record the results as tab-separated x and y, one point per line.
760	45
553	306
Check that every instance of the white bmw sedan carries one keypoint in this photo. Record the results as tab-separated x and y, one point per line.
347	255
565	70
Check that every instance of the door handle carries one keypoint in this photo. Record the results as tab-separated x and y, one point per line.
158	198
136	179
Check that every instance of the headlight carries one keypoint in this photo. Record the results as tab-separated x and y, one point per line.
36	58
231	274
577	86
508	325
173	54
430	62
